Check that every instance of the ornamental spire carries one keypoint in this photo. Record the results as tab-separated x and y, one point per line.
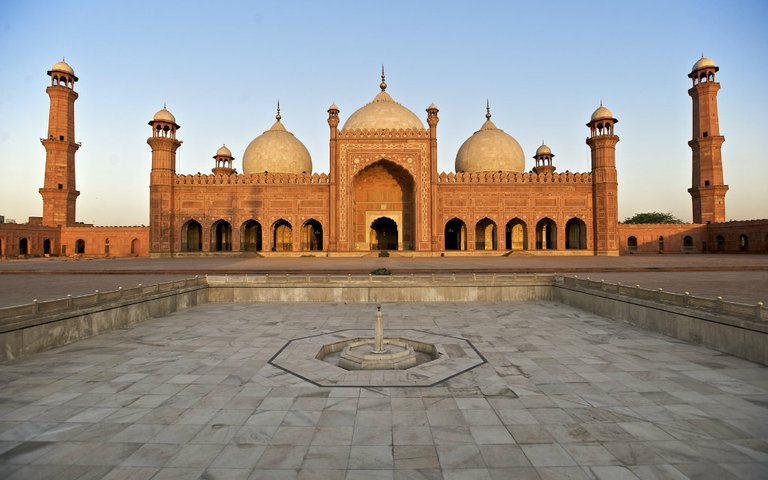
278	117
487	109
383	84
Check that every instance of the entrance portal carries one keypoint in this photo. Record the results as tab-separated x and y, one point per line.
383	234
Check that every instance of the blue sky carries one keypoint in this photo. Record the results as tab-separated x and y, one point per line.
221	66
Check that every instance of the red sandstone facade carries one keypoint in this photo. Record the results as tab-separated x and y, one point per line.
383	192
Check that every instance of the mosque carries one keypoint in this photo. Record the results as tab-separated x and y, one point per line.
383	192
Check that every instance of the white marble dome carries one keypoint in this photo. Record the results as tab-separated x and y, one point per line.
276	151
490	149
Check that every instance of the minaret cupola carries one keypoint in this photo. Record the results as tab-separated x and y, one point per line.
543	158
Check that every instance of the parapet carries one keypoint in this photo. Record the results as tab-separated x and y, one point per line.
254	178
515	177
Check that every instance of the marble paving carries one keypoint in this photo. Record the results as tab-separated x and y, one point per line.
564	395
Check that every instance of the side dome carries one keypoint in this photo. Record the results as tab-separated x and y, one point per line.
164	116
276	151
543	150
490	149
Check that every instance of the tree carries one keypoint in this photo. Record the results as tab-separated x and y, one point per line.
652	217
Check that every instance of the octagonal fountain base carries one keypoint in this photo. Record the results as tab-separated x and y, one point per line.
359	353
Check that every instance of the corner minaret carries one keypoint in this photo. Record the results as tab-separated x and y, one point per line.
605	206
164	144
707	189
59	192
223	160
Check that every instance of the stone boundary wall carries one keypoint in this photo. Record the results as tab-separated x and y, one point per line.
40	326
734	328
737	329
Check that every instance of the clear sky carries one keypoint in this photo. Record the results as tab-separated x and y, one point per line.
221	66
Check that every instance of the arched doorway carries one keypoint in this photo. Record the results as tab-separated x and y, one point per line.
311	236
23	247
516	235
546	234
575	234
135	246
250	237
282	236
485	234
47	246
661	243
455	235
80	247
192	237
632	244
221	236
106	246
383	189
383	234
688	244
720	243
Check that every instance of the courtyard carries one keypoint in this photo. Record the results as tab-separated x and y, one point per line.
562	394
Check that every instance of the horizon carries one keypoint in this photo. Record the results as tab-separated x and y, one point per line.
542	91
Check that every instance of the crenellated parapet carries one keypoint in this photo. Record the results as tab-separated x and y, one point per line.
515	177
382	133
254	178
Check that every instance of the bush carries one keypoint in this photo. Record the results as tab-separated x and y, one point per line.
381	271
383	253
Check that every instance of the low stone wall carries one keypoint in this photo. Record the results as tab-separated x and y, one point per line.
738	329
40	326
386	288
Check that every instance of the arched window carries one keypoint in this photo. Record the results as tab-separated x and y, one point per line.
661	243
221	236
135	246
743	243
455	235
192	237
250	237
632	244
546	234
311	236
23	246
282	236
720	243
485	234
80	246
516	235
575	234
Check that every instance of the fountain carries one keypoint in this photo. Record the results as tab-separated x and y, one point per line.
379	352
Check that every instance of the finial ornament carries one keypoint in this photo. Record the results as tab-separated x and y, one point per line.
278	116
487	109
383	84
164	108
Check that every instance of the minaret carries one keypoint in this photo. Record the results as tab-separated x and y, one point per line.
432	121
223	160
333	201
708	189
164	144
605	206
59	192
543	159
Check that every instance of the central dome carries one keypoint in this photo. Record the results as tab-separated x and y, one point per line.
490	149
383	113
276	151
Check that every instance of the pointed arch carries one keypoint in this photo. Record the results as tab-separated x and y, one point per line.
23	246
135	246
455	234
192	236
80	247
221	236
546	234
485	234
250	236
282	236
575	234
516	235
383	234
311	236
47	246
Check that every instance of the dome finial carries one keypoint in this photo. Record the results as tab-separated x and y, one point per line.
278	116
164	107
487	109
383	84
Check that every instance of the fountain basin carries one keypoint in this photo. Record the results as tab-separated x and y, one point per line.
357	353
